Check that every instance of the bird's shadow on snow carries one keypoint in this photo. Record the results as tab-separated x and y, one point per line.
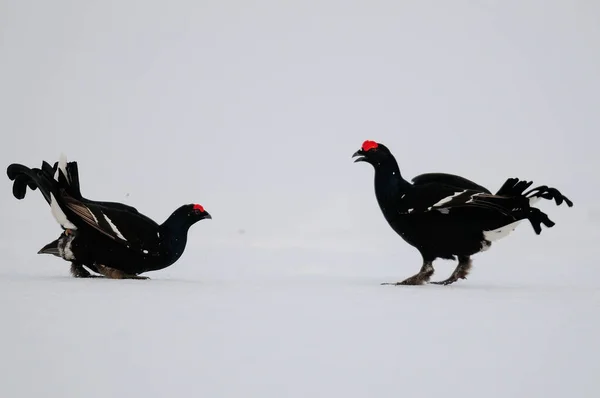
299	281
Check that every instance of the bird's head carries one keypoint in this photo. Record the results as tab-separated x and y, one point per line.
372	152
185	216
196	212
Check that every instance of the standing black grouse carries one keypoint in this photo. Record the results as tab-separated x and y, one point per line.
447	216
110	238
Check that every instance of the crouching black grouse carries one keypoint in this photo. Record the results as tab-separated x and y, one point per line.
447	216
109	238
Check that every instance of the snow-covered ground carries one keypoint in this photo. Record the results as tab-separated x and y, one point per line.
309	322
253	109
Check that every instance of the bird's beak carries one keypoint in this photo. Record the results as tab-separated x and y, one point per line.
50	248
207	215
360	153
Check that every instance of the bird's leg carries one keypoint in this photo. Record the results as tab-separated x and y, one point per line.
116	274
78	271
419	279
461	271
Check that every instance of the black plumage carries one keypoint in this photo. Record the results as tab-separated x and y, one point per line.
449	217
110	238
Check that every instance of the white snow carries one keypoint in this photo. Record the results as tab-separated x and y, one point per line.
307	322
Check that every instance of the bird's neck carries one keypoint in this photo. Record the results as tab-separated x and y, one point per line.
390	186
173	237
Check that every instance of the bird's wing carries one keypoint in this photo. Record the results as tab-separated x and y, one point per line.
448	179
129	228
435	197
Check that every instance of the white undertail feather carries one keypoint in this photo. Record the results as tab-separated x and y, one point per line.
64	247
501	232
62	166
114	227
533	200
60	215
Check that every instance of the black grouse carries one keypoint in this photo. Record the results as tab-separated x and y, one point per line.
110	238
69	181
447	216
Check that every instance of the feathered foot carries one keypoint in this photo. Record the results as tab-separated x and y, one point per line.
460	272
419	279
116	274
78	271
